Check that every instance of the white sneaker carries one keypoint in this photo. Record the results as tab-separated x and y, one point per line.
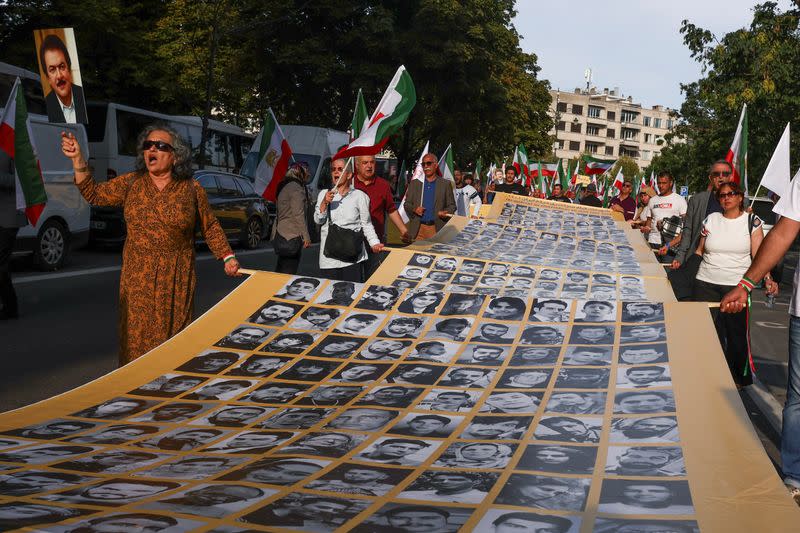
795	493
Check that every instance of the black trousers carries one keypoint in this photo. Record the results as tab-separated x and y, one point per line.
288	264
8	297
349	273
731	330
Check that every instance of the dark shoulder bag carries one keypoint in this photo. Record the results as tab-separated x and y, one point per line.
342	243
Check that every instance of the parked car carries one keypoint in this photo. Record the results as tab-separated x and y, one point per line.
242	213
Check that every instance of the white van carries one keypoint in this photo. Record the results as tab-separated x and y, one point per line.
64	223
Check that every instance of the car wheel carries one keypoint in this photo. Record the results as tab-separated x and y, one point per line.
52	246
251	236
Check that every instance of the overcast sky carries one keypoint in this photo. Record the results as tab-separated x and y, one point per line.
635	45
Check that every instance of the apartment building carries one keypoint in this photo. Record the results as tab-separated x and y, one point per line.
607	125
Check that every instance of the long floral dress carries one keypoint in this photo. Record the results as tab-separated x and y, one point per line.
156	288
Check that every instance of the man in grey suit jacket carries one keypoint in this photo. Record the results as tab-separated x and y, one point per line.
429	203
700	206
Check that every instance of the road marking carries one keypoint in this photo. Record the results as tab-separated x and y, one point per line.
773	325
770	362
116	268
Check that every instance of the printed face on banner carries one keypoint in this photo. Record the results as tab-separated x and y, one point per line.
60	72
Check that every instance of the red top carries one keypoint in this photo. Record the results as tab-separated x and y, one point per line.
381	202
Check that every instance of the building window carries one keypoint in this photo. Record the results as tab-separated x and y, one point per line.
575	127
628	134
646	155
575	146
630	152
577	109
629	116
594	112
592	148
561	126
611	133
609	150
657	123
648	137
611	115
592	130
646	121
670	123
560	144
561	107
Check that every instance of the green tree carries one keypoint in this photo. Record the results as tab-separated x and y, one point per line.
629	168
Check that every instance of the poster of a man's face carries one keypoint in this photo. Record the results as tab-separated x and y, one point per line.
57	54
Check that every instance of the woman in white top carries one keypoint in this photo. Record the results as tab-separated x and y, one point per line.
728	241
348	208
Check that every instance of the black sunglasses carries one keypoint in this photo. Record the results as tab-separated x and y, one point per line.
725	174
161	146
729	194
428	163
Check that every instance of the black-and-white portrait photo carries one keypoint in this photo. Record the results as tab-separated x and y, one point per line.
328	444
642	377
426	425
453	401
633	403
523	271
220	389
482	354
561	459
643	354
411	518
112	461
233	416
19	514
6	444
422	260
495	333
174	412
415	374
435	351
299	289
450	486
309	370
244	338
399	451
505	308
251	442
624	496
649	461
307	512
478	455
545	492
363	419
259	366
27	482
596	311
623	525
210	362
383	349
183	439
358	323
279	393
421	301
361	372
553	334
582	378
412	272
341	293
360	479
168	385
446	263
116	434
403	284
472	267
512	402
569	429
534	356
275	313
192	467
651	332
467	377
336	347
212	500
52	429
332	394
494	282
505	521
642	312
592	334
138	521
277	471
652	429
295	418
115	492
116	408
465	279
379	298
519	378
587	356
290	342
403	327
462	304
496	428
577	403
316	319
437	276
390	396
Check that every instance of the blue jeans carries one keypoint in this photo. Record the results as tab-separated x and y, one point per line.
790	436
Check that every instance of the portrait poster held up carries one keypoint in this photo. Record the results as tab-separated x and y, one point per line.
57	55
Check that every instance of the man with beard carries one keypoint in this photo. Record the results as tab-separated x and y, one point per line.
468	201
244	338
467	377
645	430
275	314
493	334
569	429
378	298
484	355
390	397
510	184
317	318
31	481
214	501
642	312
453	329
647	461
393	451
355	480
341	293
182	440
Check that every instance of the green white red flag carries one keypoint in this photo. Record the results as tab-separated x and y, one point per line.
360	118
547	169
390	115
447	166
594	166
619	179
563	177
737	154
16	141
274	154
520	164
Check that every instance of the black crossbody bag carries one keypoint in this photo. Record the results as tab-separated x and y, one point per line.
342	243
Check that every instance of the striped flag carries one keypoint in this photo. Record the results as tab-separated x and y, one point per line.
447	166
520	163
390	115
594	166
16	141
737	154
274	154
360	117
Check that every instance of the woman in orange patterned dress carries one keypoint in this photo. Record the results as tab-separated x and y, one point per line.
161	203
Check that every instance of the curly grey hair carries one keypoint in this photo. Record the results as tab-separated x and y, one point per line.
182	167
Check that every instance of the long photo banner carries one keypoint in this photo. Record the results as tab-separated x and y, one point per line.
528	371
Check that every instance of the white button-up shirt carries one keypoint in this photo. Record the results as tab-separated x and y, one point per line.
350	211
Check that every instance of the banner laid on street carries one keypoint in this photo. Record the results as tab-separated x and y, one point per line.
525	391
